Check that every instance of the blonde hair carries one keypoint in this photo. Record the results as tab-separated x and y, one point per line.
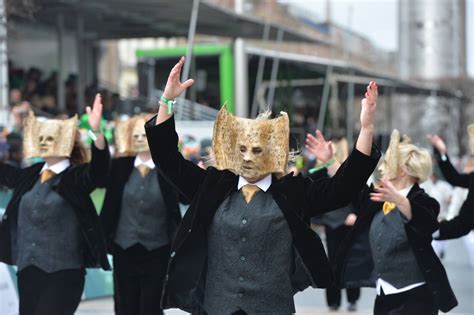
415	161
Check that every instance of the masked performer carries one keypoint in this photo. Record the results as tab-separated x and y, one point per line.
397	220
50	229
336	223
140	216
245	245
463	223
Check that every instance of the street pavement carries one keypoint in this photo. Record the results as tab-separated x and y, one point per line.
312	301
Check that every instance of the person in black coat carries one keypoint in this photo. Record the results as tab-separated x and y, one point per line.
463	223
50	229
139	216
336	223
234	254
397	220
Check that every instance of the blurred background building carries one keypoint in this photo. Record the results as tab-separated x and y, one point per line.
251	54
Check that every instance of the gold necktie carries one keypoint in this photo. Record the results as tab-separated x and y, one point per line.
46	175
143	169
249	191
387	207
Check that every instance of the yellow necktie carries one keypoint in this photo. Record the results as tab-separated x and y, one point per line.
249	191
46	175
143	169
387	207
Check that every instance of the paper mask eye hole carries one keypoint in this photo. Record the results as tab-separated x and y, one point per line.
257	150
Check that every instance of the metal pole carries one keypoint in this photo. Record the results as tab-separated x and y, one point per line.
151	79
189	48
324	99
274	74
80	65
350	112
60	96
3	65
260	70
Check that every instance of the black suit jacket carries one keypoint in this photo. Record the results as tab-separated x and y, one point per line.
297	198
463	223
120	173
419	229
75	186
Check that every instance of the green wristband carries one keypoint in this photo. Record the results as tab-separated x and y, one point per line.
168	102
320	167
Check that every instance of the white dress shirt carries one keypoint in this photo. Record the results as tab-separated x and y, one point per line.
56	168
139	161
263	184
384	285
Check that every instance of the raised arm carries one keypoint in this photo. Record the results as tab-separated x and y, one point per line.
95	173
184	175
350	178
173	89
449	172
463	223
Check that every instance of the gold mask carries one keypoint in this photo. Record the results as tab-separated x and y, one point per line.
341	150
470	132
251	148
130	136
52	137
390	162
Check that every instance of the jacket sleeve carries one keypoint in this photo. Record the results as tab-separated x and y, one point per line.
330	193
450	173
9	175
184	175
425	211
95	173
463	223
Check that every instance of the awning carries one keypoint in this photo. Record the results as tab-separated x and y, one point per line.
117	19
347	72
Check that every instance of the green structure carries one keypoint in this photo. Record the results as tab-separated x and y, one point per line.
225	63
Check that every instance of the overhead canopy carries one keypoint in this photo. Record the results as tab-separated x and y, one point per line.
117	19
347	72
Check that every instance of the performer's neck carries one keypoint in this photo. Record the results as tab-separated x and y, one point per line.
144	156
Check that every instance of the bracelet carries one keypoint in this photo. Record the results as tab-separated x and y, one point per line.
168	102
320	167
94	133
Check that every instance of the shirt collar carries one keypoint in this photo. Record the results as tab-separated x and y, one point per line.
405	190
56	168
139	161
263	184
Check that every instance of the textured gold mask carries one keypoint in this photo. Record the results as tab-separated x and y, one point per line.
130	136
52	137
251	148
390	162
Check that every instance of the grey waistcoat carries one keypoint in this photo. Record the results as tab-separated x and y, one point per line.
143	217
250	258
49	235
393	256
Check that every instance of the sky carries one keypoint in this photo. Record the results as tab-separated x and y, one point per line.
378	20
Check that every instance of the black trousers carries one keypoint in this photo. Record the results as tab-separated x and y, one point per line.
417	301
138	279
334	238
57	293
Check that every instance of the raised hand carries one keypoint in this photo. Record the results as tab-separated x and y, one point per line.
95	113
369	104
174	87
318	146
386	191
438	143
